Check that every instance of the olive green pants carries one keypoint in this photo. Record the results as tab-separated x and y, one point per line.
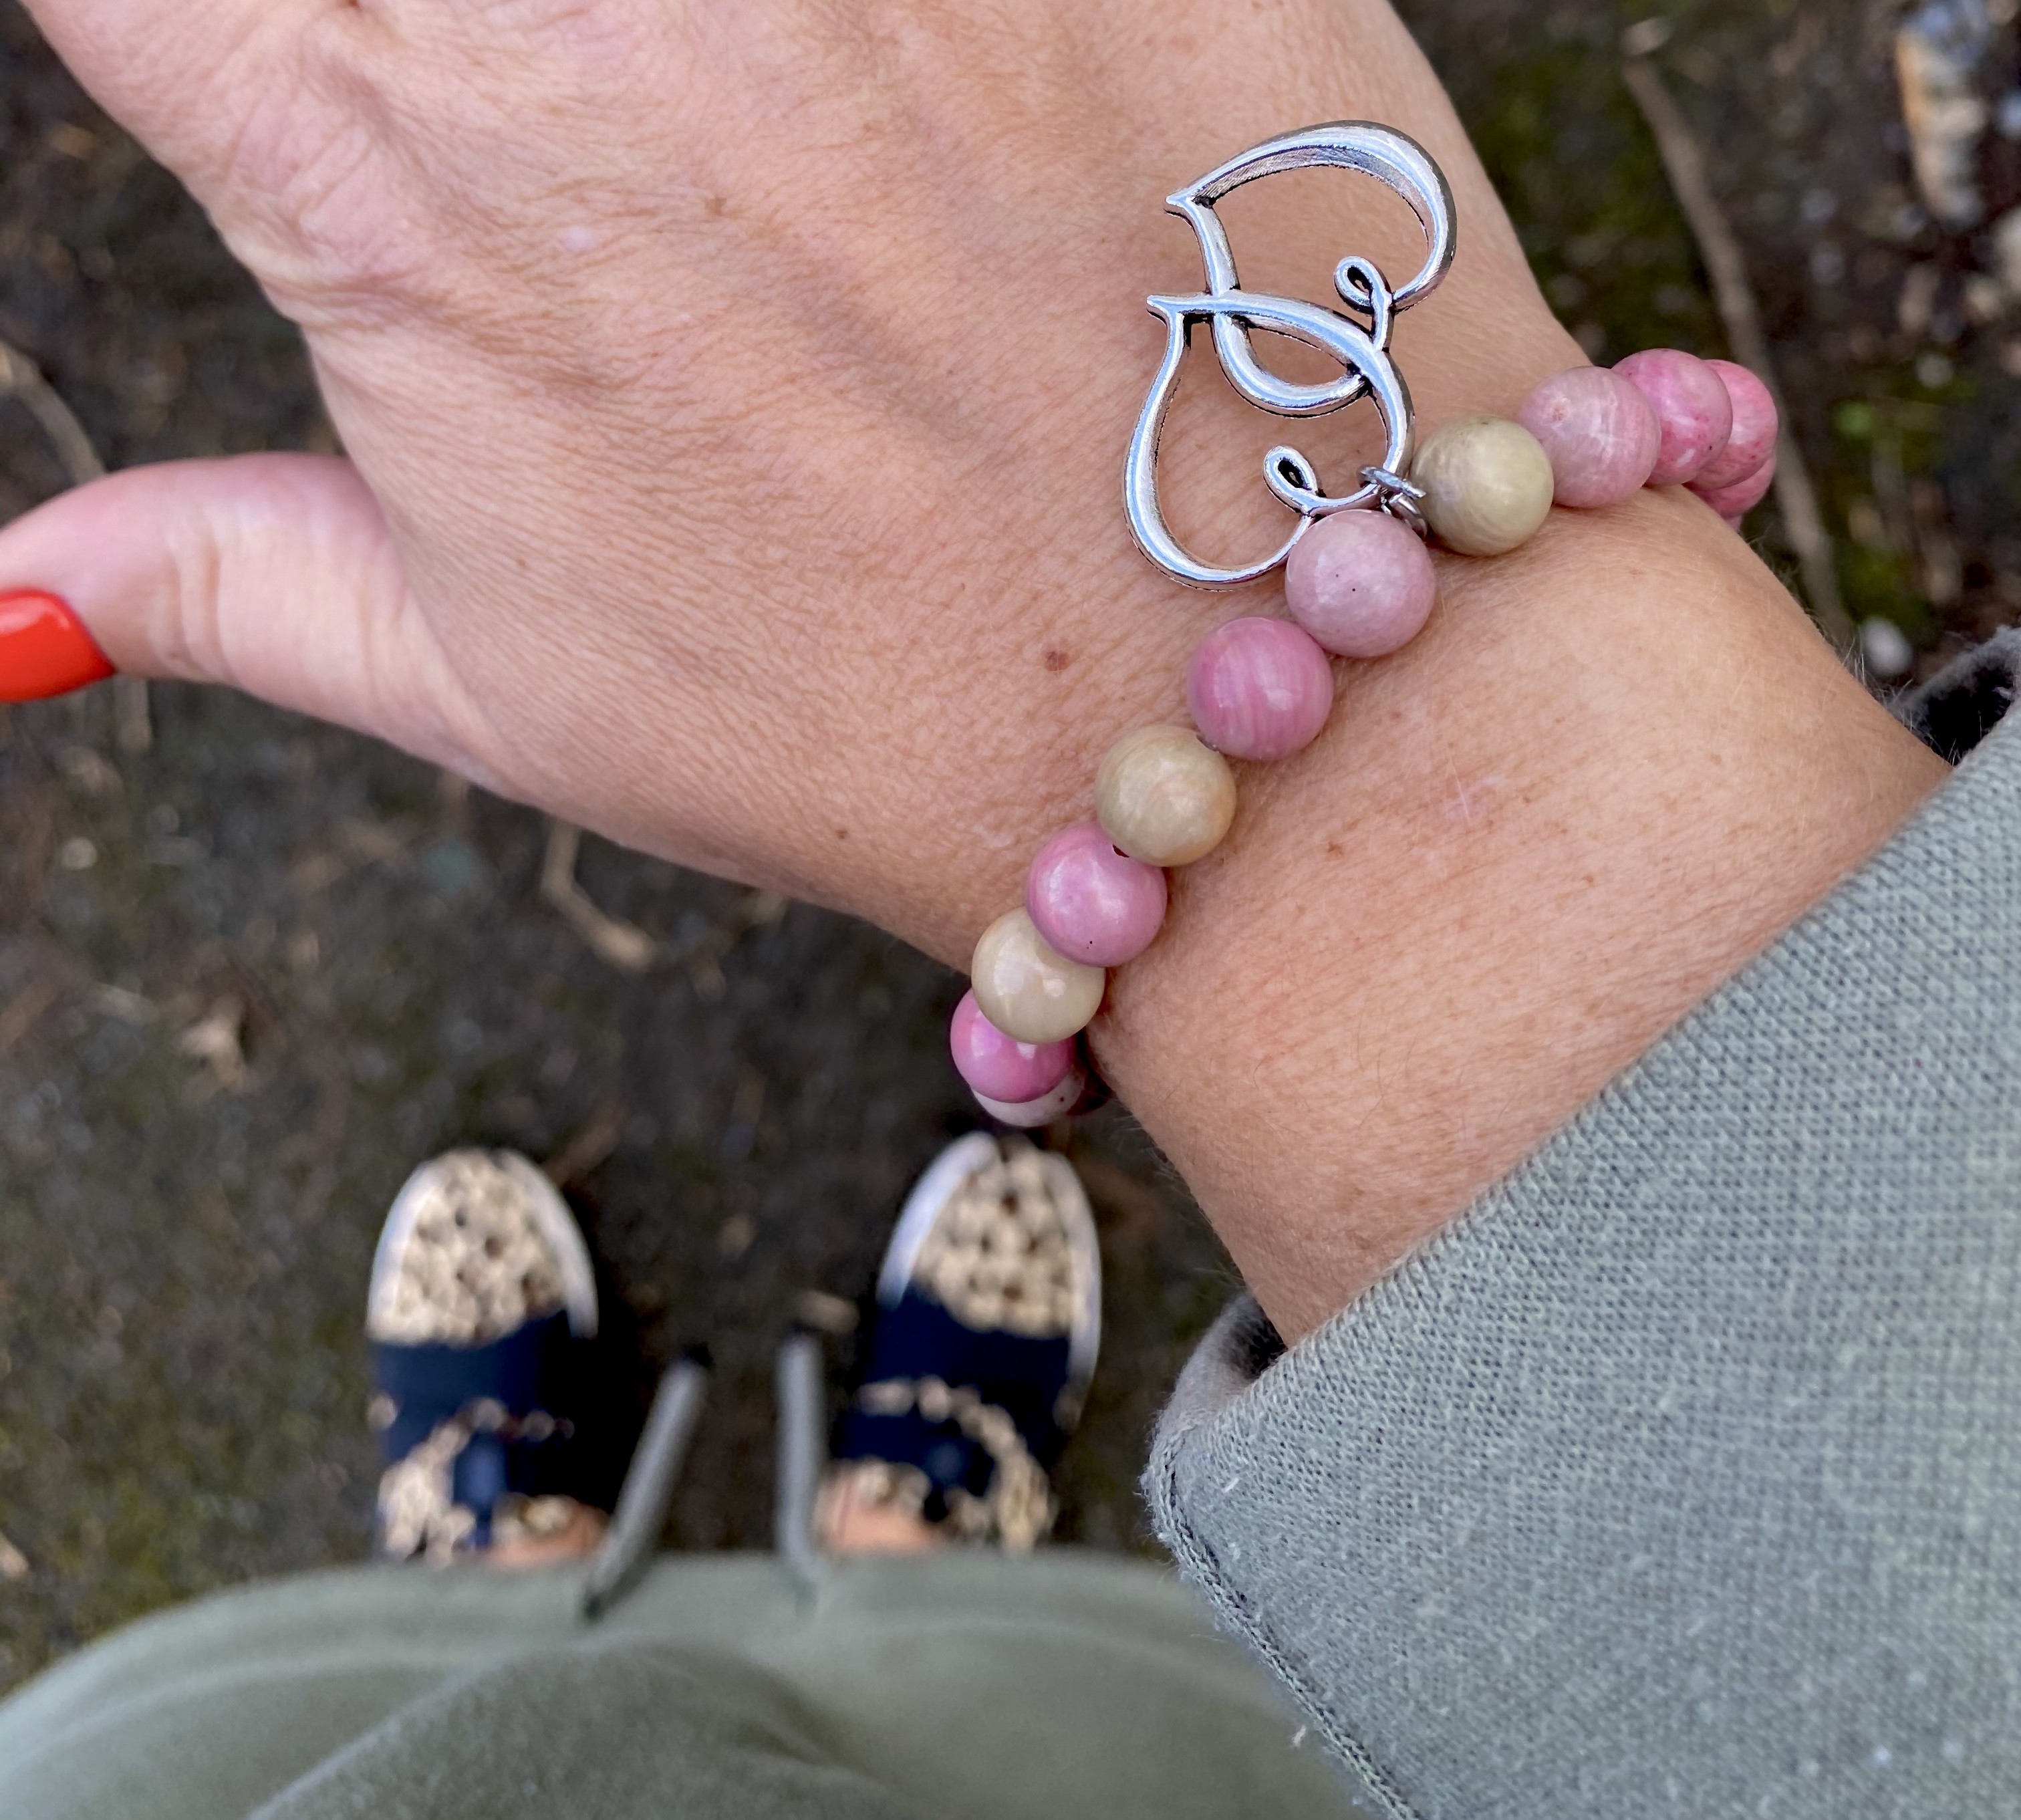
963	1685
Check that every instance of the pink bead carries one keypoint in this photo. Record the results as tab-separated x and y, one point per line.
1599	431
1734	503
1692	405
1755	428
1028	1115
1092	902
1259	689
998	1067
1361	583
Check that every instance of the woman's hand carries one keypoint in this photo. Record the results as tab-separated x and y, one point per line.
736	393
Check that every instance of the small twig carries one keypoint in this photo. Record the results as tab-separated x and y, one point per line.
826	1313
19	378
133	725
589	1148
623	946
133	722
1733	296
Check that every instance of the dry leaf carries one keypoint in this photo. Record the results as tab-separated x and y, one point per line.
825	1313
215	1041
21	1012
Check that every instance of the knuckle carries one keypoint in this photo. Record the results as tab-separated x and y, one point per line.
186	631
311	195
320	227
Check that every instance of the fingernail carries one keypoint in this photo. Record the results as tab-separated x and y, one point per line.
44	649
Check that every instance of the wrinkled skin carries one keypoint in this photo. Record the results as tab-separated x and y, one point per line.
738	389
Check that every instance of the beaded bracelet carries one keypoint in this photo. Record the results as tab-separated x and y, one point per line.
1358	583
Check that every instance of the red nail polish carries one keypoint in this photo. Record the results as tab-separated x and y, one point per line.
44	649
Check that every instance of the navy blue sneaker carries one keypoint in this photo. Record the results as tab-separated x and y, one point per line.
988	1324
482	1305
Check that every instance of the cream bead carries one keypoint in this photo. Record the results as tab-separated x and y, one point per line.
1028	991
1487	484
1163	797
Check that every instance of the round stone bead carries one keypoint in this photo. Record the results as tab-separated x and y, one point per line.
1600	432
1027	989
1690	403
1361	583
1028	1115
1734	503
1487	484
1756	426
1259	689
1162	797
1000	1066
1091	903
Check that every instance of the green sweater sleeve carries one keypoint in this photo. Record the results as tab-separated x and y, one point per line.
1682	1475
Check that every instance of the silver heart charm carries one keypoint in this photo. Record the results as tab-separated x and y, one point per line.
1362	351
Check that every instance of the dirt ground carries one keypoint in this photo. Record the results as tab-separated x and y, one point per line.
251	974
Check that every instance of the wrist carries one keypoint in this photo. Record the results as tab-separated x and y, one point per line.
1616	765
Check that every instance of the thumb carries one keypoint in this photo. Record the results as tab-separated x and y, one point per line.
274	573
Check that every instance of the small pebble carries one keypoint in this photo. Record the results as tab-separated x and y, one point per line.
1026	989
1888	653
1091	903
1259	689
1756	426
1487	484
1692	404
1164	798
1361	583
1600	432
